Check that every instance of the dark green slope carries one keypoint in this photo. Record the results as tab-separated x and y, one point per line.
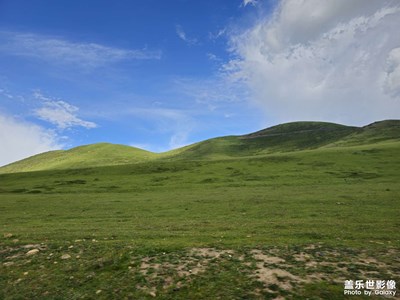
299	127
281	138
382	131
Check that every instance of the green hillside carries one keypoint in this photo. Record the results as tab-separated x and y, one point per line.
281	138
382	131
101	154
287	137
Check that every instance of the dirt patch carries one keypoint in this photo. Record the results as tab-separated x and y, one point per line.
146	267
279	277
174	272
302	257
273	276
258	255
210	252
289	269
194	263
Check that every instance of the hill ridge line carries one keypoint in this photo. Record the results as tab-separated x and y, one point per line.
286	137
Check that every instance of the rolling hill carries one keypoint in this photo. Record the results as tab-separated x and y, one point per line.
294	136
94	155
281	138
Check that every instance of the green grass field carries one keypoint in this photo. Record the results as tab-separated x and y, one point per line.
229	218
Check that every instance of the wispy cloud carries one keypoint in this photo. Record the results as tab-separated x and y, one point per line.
171	126
182	35
213	57
20	139
59	113
331	60
249	2
212	92
216	35
178	124
5	93
62	51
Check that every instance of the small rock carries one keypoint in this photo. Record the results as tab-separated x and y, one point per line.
65	256
30	246
15	240
153	294
8	264
32	252
70	247
98	292
26	273
13	256
8	235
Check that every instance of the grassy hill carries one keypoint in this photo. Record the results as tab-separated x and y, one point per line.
214	218
275	144
281	138
382	131
101	154
287	137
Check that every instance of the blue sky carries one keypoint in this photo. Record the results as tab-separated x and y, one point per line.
162	74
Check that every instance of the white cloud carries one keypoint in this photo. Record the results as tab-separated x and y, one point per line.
176	123
61	51
249	2
392	80
182	35
328	60
60	113
20	139
171	126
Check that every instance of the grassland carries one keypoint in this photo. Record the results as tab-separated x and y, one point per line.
289	224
